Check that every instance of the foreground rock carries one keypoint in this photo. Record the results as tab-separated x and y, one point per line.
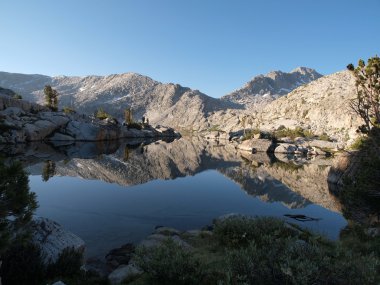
123	272
53	239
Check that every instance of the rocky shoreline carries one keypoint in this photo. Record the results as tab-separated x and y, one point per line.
22	121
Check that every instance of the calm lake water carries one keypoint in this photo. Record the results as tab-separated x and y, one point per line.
110	195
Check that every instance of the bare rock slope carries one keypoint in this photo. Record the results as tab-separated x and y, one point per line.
263	89
168	104
321	106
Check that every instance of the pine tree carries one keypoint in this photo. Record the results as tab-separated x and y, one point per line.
128	116
51	98
367	102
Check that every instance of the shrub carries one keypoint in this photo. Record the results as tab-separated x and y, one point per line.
68	110
293	133
102	115
135	125
67	265
239	231
22	264
359	143
250	133
17	96
214	128
293	261
169	263
324	137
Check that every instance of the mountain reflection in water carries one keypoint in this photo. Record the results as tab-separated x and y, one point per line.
117	192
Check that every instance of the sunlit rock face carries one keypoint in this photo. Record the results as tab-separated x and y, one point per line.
263	89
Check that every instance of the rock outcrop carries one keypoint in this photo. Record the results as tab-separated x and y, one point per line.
53	239
321	106
21	121
166	104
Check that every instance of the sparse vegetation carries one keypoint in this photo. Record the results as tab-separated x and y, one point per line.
68	110
214	128
51	98
324	137
17	96
169	263
293	133
358	143
102	115
243	250
249	134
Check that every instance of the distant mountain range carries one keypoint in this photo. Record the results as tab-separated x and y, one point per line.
170	104
301	97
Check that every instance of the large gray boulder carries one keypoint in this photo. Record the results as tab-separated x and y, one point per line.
255	145
123	272
89	131
53	239
286	148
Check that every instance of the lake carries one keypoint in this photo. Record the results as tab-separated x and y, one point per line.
113	193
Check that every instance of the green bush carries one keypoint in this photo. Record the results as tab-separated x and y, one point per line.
250	134
293	133
294	261
22	265
135	125
17	96
324	137
67	265
359	143
239	231
68	110
102	115
169	263
214	128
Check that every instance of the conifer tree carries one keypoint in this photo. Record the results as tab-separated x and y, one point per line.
367	102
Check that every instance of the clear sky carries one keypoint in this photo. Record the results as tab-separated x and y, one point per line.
211	45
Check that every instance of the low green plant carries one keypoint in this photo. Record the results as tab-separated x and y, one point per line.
239	231
359	143
22	264
68	110
67	265
135	125
250	134
324	137
293	133
102	115
274	256
214	128
17	96
169	263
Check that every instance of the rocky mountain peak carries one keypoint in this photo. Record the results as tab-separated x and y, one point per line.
263	89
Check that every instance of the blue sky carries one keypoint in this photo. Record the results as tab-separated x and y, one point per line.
211	45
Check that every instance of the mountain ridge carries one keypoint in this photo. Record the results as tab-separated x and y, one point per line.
262	89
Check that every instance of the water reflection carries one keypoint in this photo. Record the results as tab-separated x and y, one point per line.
116	192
